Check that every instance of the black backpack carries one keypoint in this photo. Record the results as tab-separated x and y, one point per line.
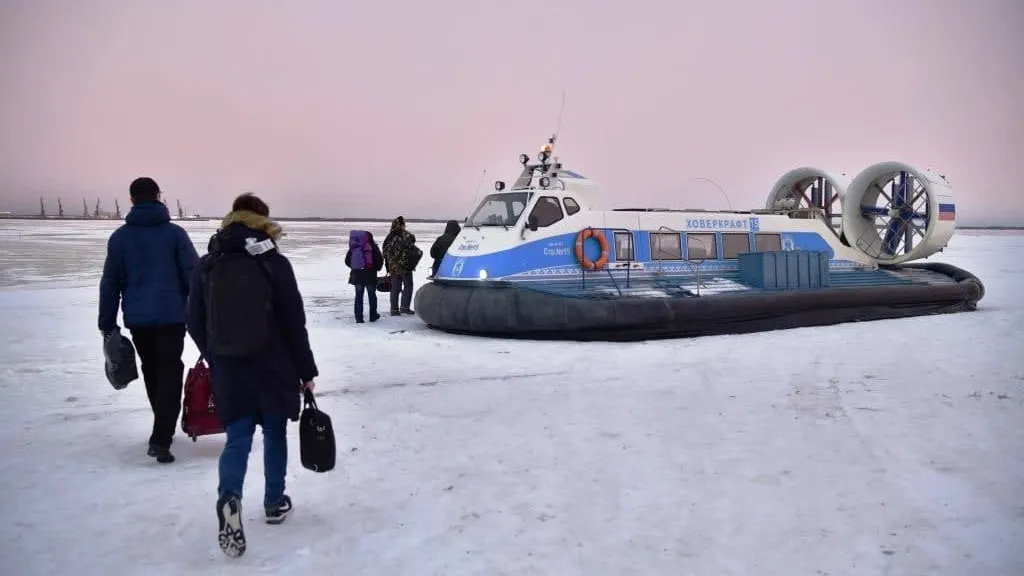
239	305
316	437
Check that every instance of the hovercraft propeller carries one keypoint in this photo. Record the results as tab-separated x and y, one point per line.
809	190
895	213
903	213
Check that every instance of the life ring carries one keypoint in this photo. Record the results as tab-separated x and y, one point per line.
582	258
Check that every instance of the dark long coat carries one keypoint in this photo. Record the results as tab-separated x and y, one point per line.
271	382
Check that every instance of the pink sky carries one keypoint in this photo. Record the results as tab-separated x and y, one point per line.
376	108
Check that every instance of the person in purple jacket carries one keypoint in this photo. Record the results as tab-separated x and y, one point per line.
365	260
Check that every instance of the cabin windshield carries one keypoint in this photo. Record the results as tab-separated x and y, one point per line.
499	209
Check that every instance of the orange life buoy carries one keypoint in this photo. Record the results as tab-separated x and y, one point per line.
582	258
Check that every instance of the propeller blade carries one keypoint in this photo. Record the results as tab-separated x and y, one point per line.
899	197
869	211
892	235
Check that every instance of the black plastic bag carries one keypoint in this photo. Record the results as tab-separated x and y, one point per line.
119	360
316	437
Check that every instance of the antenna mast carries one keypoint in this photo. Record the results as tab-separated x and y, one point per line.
483	176
60	208
561	109
476	193
550	147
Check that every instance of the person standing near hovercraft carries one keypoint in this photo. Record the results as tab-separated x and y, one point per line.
365	260
442	244
401	255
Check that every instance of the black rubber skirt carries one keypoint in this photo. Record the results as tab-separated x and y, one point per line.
512	310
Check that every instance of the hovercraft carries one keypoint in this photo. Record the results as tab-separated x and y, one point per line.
537	261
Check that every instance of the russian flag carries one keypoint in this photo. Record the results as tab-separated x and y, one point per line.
947	212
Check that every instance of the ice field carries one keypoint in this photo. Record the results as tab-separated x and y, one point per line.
892	447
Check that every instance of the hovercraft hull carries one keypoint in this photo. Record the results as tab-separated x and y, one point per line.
533	311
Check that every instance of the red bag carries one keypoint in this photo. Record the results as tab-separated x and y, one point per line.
198	412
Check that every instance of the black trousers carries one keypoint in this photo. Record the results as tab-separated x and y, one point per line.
160	348
401	283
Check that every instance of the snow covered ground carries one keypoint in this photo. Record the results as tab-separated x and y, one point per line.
893	447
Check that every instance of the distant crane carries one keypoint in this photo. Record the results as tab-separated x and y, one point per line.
42	208
181	211
96	212
60	209
117	208
85	208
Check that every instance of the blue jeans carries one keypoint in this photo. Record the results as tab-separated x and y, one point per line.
371	295
234	460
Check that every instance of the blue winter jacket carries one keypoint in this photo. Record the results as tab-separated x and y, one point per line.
148	270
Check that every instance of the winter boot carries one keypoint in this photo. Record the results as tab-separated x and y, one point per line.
231	537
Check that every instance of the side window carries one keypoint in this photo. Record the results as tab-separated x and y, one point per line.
547	211
624	246
734	244
701	247
666	246
571	207
768	243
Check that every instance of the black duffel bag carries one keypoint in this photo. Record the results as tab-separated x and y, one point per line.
316	437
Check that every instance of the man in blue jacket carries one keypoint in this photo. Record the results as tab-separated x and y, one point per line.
148	271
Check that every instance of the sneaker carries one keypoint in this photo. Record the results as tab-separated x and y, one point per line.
374	317
231	537
396	313
277	514
407	311
162	455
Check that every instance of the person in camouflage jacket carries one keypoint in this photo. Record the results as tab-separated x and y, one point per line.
401	255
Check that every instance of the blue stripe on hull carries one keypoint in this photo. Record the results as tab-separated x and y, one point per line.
602	286
555	256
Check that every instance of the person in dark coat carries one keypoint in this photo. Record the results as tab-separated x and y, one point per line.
147	270
365	260
442	244
401	257
264	389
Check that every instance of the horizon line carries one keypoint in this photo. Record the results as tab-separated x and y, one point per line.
424	220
